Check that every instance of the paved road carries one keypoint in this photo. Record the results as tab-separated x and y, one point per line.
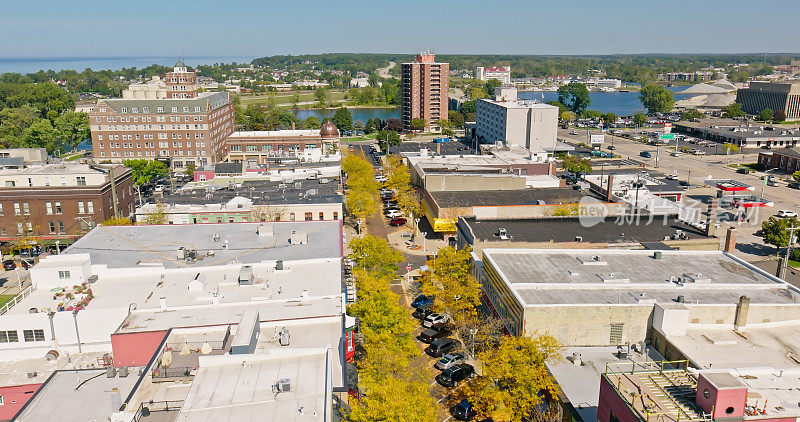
383	72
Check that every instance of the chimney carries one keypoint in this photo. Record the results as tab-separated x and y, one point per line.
740	321
712	217
609	188
730	240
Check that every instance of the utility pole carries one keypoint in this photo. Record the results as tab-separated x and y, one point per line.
113	190
784	267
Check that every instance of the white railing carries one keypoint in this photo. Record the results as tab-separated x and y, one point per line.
22	295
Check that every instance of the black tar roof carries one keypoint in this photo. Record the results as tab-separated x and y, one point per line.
264	193
564	229
445	148
446	199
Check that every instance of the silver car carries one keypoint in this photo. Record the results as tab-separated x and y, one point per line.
450	360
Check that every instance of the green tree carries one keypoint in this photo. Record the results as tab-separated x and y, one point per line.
370	126
418	124
796	175
577	165
343	119
321	96
389	136
729	146
779	116
691	114
656	98
158	216
775	232
72	128
490	85
190	168
514	375
456	118
592	114
639	119
467	107
40	134
608	119
358	125
375	256
561	107
766	114
575	97
567	116
145	171
312	122
733	110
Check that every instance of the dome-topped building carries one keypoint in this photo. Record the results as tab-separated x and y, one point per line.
329	130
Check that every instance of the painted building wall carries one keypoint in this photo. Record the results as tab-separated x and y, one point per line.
725	403
611	403
135	349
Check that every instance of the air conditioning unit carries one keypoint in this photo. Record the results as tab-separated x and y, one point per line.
282	385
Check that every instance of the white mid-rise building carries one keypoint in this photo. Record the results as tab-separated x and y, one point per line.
506	119
501	73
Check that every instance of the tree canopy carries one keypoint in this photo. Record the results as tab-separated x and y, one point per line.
691	114
343	119
775	232
733	110
144	171
656	98
577	165
575	97
766	114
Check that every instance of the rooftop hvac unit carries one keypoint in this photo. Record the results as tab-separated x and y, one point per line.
123	371
282	385
111	372
284	337
298	185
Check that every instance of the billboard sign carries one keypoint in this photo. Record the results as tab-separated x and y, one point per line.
596	139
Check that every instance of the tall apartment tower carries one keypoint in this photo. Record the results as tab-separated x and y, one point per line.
425	91
181	82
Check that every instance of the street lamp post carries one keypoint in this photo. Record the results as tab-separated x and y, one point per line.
416	230
423	240
785	267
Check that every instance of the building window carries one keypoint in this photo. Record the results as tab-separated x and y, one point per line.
17	210
335	215
161	109
81	208
9	336
33	335
291	216
309	216
252	148
90	207
81	180
197	109
321	215
20	229
61	227
63	274
145	109
10	183
26	208
236	148
615	337
174	109
48	208
52	227
124	109
57	206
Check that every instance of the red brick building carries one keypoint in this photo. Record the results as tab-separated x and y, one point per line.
425	85
61	201
785	159
186	127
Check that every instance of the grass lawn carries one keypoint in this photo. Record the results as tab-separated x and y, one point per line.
5	298
794	264
75	156
287	98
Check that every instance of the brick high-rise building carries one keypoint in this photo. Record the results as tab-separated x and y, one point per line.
425	85
183	128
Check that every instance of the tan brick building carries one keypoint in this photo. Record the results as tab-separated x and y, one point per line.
425	85
186	127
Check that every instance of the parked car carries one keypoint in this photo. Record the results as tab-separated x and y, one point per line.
684	183
429	335
793	185
421	313
787	214
436	320
772	182
675	154
441	347
422	301
26	264
672	177
645	154
9	265
456	374
699	152
397	221
394	213
450	360
573	133
743	170
463	410
611	147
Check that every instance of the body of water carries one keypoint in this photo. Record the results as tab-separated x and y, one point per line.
619	103
362	114
33	65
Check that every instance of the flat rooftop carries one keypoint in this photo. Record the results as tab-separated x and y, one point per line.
611	230
543	277
533	196
78	396
239	388
262	192
269	134
739	129
37	370
130	246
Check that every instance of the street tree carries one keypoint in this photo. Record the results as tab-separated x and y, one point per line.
418	124
691	114
343	119
375	256
766	114
388	136
775	232
729	146
457	291
656	98
118	221
567	116
577	165
358	125
608	119
779	116
72	128
733	110
456	118
575	97
514	376
640	119
144	171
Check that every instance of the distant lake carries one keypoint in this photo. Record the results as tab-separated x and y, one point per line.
362	114
35	64
619	103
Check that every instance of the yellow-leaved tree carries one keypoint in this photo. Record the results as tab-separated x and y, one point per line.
457	291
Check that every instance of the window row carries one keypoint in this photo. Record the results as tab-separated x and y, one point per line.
12	336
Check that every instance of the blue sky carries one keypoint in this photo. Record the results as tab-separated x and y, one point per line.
89	28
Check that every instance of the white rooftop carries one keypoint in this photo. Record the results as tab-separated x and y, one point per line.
544	277
240	387
259	134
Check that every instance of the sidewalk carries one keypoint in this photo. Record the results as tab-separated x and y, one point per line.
401	240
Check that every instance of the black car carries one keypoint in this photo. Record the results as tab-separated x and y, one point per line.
429	335
454	375
26	264
9	265
684	183
743	171
793	185
645	154
423	302
421	313
463	411
441	347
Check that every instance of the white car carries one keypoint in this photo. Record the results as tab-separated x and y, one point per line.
698	152
672	177
394	213
435	320
787	214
